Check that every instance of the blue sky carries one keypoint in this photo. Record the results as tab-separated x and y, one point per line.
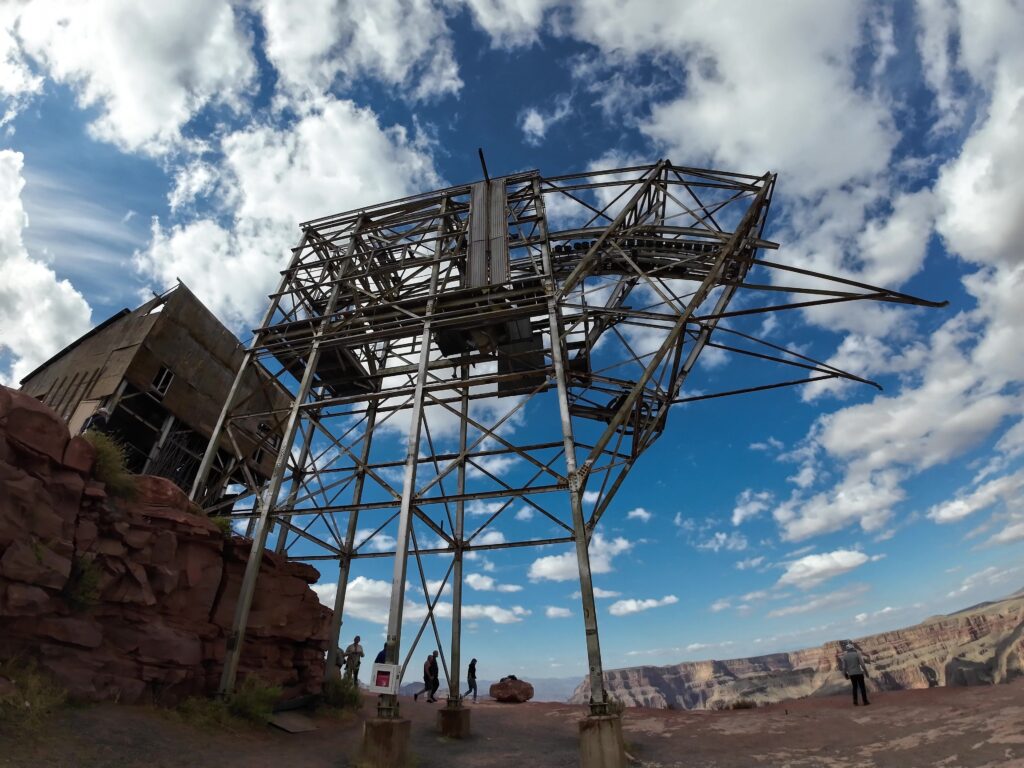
140	145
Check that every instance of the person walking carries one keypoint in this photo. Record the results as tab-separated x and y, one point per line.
853	667
430	681
353	658
471	679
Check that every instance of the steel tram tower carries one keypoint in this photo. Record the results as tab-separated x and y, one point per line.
413	339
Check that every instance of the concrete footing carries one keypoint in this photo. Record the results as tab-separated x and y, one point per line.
453	722
385	743
601	744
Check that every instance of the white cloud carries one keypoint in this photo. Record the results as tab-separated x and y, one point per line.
535	124
811	570
989	577
748	563
525	514
591	497
1006	489
564	567
381	542
632	605
733	541
771	443
812	603
315	44
332	159
640	514
483	583
147	69
720	605
553	612
750	504
510	23
598	593
39	313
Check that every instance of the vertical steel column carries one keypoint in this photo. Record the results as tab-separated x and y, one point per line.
269	499
387	705
158	446
454	697
297	478
598	696
345	560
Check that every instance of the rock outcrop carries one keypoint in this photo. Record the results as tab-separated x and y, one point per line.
981	645
511	691
134	600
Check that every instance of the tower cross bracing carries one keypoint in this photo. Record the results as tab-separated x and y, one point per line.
517	343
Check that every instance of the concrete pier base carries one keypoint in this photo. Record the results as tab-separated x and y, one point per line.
385	743
601	744
453	722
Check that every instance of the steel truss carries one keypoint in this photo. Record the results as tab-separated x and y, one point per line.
427	344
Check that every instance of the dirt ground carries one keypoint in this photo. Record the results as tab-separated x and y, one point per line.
939	727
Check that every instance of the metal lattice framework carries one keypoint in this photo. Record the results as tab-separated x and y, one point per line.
455	355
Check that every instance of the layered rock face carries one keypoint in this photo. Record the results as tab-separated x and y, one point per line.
134	600
982	645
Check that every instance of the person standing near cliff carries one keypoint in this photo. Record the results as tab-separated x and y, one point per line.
471	679
430	678
852	664
353	658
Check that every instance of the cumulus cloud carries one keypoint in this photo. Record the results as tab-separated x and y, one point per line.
334	158
632	605
483	583
1006	489
811	570
733	541
402	43
554	612
370	600
535	124
748	563
814	603
564	567
39	313
989	577
640	514
147	69
750	504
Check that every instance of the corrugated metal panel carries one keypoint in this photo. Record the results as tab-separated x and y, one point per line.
476	258
498	220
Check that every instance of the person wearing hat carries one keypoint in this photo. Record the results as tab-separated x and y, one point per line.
852	664
97	422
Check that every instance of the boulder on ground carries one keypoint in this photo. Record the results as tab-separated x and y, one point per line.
512	691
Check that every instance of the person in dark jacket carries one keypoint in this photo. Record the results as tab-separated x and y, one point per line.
382	656
852	664
471	679
430	681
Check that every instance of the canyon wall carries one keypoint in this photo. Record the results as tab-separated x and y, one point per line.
978	646
133	600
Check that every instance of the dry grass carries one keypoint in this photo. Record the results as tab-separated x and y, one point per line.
110	466
34	698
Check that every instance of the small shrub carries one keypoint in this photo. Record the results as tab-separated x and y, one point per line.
82	590
111	465
212	714
223	523
253	700
32	699
341	693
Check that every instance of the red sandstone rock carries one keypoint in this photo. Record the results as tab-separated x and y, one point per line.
167	584
26	600
32	426
512	691
34	563
79	455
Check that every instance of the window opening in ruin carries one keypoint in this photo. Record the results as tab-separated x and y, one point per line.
162	382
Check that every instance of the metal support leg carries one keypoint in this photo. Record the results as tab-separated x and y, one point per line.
345	561
598	697
454	686
158	446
